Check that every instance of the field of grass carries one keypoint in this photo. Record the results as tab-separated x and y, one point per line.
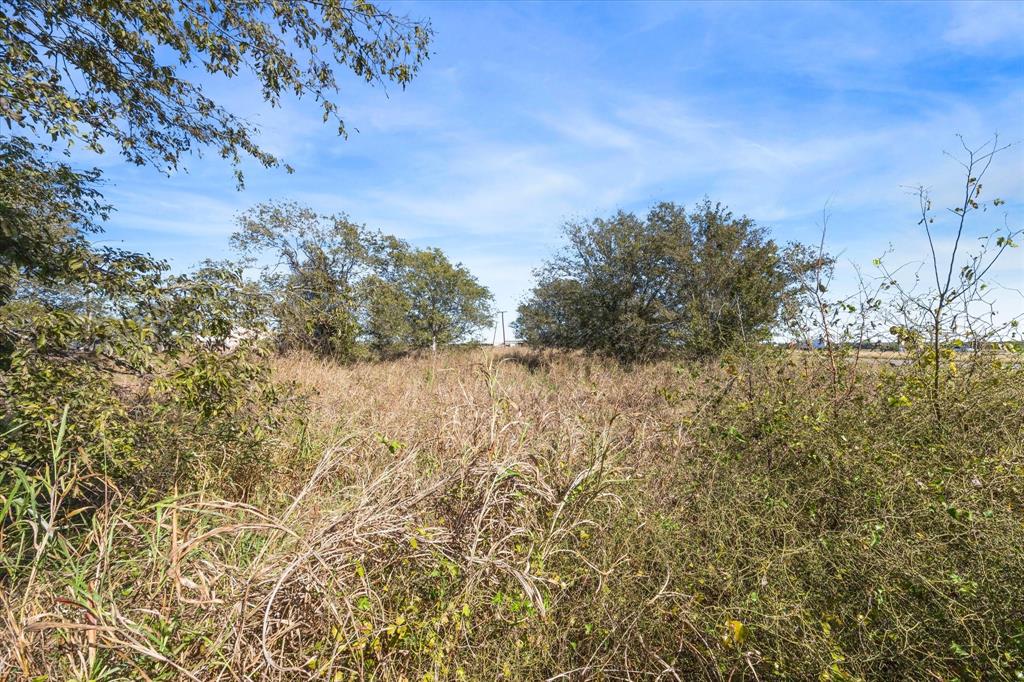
506	514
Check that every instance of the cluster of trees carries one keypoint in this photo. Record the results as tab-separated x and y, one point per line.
674	281
630	286
77	73
106	347
337	288
73	72
118	76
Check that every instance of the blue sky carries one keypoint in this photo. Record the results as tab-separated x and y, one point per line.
530	114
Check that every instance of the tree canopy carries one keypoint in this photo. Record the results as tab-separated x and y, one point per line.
637	288
126	357
125	72
445	302
336	284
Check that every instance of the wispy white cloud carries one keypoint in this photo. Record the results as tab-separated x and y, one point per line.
532	114
981	25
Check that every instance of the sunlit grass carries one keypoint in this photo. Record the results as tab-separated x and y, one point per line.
511	515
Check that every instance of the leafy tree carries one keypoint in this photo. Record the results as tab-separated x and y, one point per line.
552	317
132	360
335	283
612	289
48	266
386	315
45	211
315	264
736	280
123	71
637	288
446	303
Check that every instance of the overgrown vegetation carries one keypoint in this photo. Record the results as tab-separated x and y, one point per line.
127	357
536	516
176	504
653	490
157	379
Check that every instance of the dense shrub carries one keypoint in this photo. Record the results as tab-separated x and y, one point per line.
637	288
115	377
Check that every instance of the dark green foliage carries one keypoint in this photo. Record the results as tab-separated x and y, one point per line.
133	357
311	279
133	380
735	281
46	209
337	287
387	313
442	302
616	287
637	288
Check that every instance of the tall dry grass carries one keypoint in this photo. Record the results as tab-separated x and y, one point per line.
497	514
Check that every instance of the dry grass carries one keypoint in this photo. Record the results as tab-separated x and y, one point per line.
498	514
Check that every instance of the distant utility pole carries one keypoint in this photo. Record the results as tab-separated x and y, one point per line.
503	341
